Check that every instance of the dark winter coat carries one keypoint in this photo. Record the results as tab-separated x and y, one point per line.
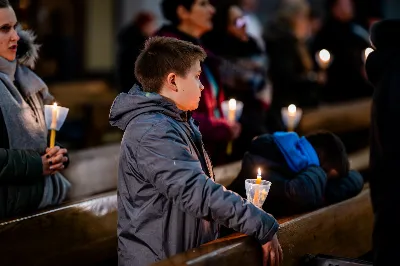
168	201
292	192
383	69
21	171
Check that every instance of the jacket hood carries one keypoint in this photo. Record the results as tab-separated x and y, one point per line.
28	50
129	105
387	53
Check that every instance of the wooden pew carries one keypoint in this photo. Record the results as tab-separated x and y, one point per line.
84	232
89	102
93	171
343	229
338	118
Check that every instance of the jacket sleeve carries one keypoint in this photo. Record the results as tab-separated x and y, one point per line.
166	161
338	190
19	167
306	191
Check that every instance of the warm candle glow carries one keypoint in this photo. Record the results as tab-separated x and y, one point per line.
292	109
368	51
324	55
232	104
258	181
55	106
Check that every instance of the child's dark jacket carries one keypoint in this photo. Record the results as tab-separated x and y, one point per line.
168	201
292	191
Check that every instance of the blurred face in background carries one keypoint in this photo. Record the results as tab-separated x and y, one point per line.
301	25
343	10
249	5
149	28
237	23
8	34
199	17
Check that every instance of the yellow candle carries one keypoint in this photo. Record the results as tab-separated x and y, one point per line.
53	125
232	110
258	181
256	190
232	118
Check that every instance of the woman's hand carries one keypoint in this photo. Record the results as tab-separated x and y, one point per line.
53	160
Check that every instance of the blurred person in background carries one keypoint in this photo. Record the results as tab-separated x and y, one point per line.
189	21
131	40
291	68
29	171
243	69
383	70
346	42
254	27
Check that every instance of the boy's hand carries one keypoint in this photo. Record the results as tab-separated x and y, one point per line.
235	128
272	252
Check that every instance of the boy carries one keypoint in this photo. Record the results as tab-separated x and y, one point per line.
167	199
306	173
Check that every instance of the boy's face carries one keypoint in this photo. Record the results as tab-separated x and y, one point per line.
189	89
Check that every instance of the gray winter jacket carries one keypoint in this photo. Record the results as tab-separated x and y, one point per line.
168	201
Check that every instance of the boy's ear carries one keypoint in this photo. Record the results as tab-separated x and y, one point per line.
171	81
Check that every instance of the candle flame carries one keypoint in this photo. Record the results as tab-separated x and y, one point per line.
55	105
292	108
368	51
324	55
259	172
232	104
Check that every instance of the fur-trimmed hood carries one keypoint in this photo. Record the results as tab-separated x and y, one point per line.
28	50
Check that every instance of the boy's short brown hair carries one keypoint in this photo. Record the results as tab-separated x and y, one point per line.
164	55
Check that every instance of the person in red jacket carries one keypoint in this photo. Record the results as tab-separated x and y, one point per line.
189	20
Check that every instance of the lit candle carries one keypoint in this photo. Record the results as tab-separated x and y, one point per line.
232	110
53	125
232	118
367	52
292	109
258	181
257	190
324	58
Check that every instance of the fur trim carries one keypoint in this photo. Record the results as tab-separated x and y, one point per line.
384	34
28	50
